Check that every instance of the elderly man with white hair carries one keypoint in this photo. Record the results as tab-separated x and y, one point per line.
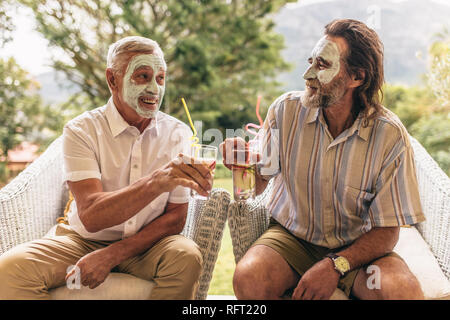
123	165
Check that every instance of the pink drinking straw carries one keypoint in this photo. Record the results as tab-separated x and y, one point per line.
255	126
252	125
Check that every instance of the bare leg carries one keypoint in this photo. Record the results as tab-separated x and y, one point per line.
263	274
396	282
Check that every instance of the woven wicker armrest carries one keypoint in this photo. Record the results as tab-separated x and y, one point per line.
205	224
247	221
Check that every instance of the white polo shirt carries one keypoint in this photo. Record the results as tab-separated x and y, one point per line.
101	144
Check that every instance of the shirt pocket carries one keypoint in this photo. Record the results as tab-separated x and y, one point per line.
356	201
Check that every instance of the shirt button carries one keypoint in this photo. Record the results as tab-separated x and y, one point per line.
135	166
130	222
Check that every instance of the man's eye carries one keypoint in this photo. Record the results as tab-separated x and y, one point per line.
322	65
143	76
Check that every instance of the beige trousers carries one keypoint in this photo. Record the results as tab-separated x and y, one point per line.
29	270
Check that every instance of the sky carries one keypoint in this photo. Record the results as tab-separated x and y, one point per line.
32	53
28	47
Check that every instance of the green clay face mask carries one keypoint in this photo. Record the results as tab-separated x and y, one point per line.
328	51
145	98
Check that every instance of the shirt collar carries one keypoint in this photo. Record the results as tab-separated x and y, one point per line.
313	114
362	131
154	124
365	131
117	123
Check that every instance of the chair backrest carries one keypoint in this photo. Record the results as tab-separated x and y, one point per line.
434	191
31	202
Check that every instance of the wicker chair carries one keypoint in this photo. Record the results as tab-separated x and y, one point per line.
247	221
31	203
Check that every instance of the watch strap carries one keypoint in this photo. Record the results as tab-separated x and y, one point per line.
332	256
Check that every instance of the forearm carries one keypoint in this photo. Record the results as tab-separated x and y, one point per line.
370	246
107	209
170	223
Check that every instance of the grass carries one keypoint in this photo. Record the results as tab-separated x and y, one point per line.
225	183
221	282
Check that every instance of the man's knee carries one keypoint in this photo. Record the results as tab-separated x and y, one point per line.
178	272
400	286
186	256
6	264
263	273
243	279
249	281
15	273
395	282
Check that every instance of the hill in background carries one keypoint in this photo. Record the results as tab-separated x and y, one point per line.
55	87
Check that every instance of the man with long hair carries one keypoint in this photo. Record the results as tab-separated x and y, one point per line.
344	181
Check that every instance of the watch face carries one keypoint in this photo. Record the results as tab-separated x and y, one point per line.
342	264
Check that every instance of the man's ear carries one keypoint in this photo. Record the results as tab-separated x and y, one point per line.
111	79
358	78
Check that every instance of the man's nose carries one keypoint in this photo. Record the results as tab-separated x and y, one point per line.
150	91
310	73
152	88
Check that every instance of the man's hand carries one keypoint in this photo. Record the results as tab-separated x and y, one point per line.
186	172
318	283
94	267
230	149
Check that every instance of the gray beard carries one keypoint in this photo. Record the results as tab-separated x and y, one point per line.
325	97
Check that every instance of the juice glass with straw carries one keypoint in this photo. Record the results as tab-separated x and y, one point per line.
206	155
244	172
200	153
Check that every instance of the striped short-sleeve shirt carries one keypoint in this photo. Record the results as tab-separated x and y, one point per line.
330	191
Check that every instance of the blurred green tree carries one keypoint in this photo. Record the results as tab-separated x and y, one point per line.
221	53
425	111
434	130
439	75
6	23
22	112
409	103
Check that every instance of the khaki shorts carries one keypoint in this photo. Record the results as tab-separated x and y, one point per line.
302	255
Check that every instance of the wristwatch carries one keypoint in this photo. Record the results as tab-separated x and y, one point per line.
341	264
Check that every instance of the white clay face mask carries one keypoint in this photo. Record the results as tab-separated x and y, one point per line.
151	90
327	50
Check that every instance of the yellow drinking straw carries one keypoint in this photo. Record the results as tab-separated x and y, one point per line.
194	137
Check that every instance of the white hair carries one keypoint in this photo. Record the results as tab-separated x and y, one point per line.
127	45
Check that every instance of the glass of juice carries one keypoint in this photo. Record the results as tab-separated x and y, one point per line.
204	154
244	172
